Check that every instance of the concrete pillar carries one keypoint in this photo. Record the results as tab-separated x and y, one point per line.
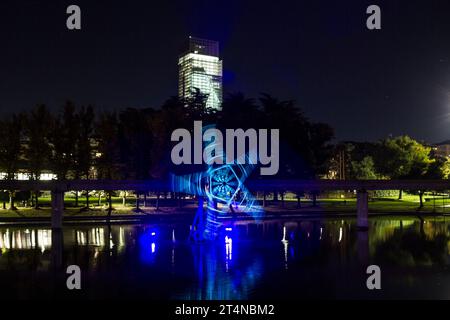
57	208
362	207
264	199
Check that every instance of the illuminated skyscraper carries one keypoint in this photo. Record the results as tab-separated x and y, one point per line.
200	68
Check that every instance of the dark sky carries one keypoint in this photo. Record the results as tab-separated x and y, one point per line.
366	84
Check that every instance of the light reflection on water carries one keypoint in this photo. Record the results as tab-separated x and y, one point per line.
249	260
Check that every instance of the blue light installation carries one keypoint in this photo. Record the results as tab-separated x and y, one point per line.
222	185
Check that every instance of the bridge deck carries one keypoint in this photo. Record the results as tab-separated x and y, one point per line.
58	188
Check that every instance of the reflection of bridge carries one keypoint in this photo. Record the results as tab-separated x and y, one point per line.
58	188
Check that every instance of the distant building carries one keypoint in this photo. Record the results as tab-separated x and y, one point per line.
201	69
442	149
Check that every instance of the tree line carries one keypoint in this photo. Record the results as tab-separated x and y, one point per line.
134	143
398	157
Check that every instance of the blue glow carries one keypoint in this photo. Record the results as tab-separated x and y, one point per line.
147	242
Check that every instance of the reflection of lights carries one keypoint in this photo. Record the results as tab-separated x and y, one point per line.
111	243
147	243
173	235
95	236
173	257
44	239
340	234
285	247
321	229
228	247
121	236
4	241
19	240
33	239
80	238
25	239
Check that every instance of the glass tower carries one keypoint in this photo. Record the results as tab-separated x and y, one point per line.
201	69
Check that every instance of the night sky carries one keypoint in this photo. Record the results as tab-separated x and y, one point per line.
366	84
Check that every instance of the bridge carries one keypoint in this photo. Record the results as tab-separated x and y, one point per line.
57	189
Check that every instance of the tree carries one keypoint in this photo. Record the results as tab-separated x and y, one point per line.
107	161
37	152
426	168
11	134
107	137
401	157
320	136
83	153
173	115
404	158
304	146
239	112
136	143
364	169
62	137
195	106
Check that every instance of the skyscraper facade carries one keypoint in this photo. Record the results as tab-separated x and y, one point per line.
201	69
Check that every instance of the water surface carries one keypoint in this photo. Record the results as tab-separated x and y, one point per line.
315	258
